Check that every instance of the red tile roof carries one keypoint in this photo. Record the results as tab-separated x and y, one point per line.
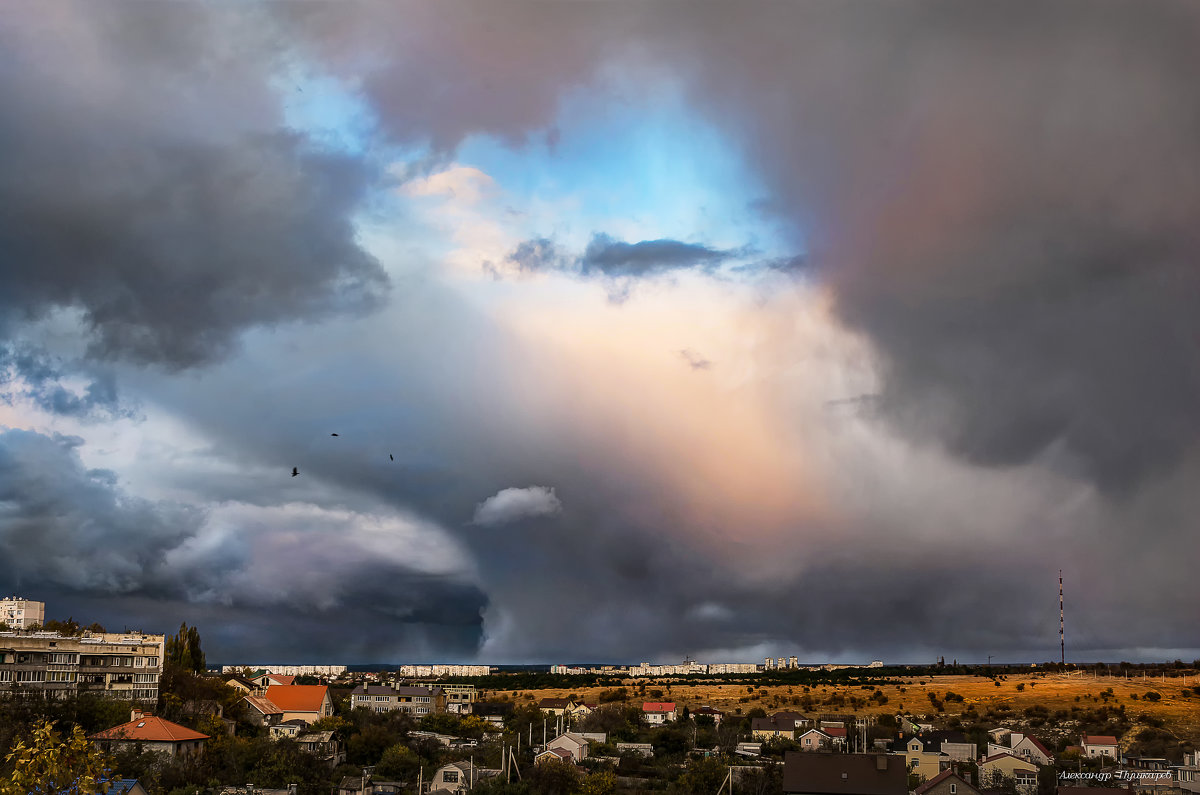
658	706
150	729
834	731
297	698
1099	739
280	679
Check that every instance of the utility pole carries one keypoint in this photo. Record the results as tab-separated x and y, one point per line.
1062	642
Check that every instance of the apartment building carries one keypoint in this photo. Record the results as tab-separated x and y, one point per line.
124	666
413	700
459	698
21	613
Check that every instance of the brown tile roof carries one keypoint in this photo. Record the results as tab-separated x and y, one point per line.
280	679
844	774
263	705
297	698
554	703
150	729
938	779
1099	739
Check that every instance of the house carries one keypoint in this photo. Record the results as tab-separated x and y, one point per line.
126	786
797	720
999	735
708	712
555	706
923	756
554	754
844	774
998	767
494	712
458	698
242	684
1096	745
910	726
262	711
579	711
837	736
946	783
641	749
459	777
290	729
1030	749
151	734
413	700
364	785
748	749
266	679
309	703
814	740
659	712
324	746
763	729
952	744
570	742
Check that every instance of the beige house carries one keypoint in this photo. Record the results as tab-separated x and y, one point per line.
556	706
308	703
263	711
151	734
659	712
922	758
763	729
1006	766
1030	749
459	777
572	743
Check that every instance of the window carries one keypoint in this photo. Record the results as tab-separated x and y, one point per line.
450	776
953	789
139	662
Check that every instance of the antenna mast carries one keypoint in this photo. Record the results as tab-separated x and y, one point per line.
1062	643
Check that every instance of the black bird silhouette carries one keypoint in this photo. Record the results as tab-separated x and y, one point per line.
295	471
391	457
333	434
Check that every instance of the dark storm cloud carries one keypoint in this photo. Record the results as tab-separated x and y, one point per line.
1003	202
74	537
148	183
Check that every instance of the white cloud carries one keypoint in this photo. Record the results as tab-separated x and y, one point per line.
508	505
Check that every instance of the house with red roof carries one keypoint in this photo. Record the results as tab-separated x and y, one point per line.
1031	749
151	733
659	712
308	703
1095	745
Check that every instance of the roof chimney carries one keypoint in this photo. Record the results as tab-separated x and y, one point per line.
136	714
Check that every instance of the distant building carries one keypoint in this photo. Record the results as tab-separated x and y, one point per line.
332	671
413	700
459	698
21	613
946	783
708	712
659	712
124	666
459	777
575	745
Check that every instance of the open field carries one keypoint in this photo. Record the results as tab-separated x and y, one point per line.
1181	714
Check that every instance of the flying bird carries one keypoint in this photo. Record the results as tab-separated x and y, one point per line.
391	457
295	471
333	434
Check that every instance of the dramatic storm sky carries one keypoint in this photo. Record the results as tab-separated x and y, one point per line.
646	329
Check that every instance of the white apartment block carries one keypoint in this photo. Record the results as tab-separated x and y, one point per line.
331	671
431	671
124	666
21	613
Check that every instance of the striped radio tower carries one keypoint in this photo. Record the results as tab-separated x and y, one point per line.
1062	643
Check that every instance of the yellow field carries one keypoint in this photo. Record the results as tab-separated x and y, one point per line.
1180	714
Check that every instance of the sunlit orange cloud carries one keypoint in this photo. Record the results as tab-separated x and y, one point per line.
734	447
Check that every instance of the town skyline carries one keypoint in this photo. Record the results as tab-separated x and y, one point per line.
547	331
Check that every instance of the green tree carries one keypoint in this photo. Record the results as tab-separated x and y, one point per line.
398	763
183	650
599	782
52	765
554	777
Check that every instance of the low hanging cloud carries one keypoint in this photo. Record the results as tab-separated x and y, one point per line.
614	258
510	505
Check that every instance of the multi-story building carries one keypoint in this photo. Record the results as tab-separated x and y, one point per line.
21	613
459	698
123	666
413	700
329	671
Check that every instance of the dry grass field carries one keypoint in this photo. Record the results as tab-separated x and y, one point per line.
1180	714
